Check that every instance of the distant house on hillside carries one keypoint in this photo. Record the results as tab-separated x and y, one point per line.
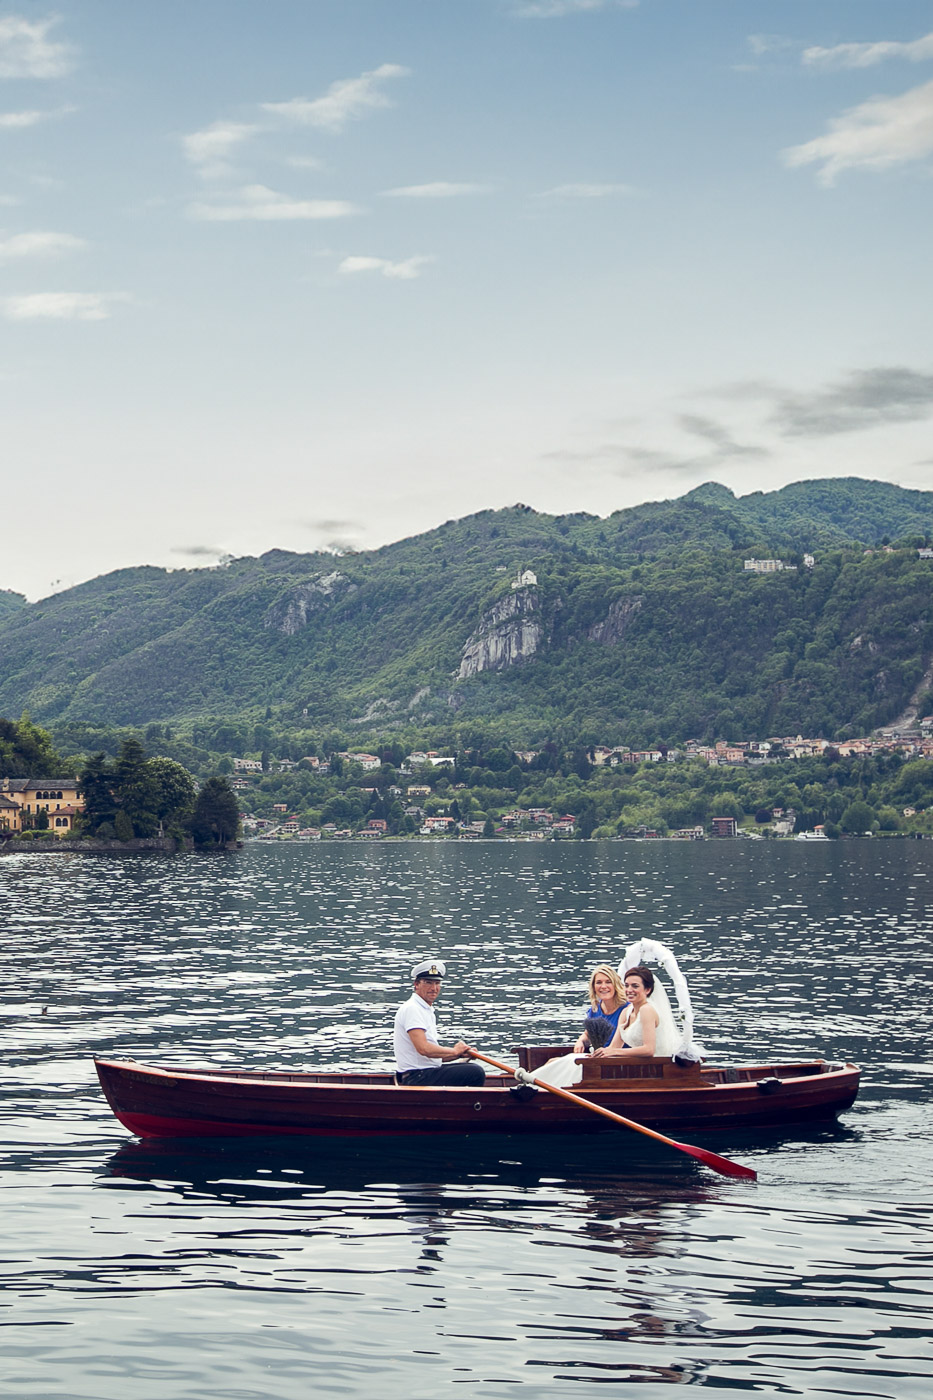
526	579
768	566
367	761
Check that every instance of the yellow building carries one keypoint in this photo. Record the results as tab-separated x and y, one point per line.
21	800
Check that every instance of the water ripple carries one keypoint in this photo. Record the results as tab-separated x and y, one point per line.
524	1267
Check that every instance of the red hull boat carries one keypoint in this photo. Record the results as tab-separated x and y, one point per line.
174	1102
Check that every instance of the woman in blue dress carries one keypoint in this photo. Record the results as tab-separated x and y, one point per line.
607	999
607	1002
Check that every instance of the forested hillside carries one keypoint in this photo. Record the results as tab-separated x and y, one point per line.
640	627
9	602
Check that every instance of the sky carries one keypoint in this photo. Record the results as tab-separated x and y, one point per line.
307	274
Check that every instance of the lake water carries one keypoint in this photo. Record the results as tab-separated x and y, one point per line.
506	1267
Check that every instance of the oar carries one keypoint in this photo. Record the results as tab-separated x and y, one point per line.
712	1159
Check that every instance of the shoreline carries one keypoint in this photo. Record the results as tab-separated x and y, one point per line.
92	845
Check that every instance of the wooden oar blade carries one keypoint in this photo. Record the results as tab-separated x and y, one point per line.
711	1159
719	1164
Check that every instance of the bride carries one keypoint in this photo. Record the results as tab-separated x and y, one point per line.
646	1028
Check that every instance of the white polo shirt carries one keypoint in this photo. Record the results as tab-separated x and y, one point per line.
414	1014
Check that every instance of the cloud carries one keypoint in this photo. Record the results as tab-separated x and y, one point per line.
199	551
439	189
866	398
877	135
209	148
585	191
268	206
39	245
304	162
27	52
343	101
327	527
18	121
405	271
11	120
768	43
867	55
338	536
625	459
557	9
61	306
719	437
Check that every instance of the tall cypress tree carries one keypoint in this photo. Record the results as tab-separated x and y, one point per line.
216	814
135	787
96	783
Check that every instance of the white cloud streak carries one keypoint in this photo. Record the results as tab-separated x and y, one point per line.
39	245
438	189
344	101
557	9
259	203
867	55
768	43
304	162
585	191
16	120
405	271
210	148
877	135
19	121
61	306
27	52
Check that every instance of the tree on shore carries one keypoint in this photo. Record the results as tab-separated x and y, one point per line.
134	784
145	794
216	817
96	783
26	751
858	818
174	793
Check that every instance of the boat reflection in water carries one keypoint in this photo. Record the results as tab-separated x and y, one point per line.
603	1223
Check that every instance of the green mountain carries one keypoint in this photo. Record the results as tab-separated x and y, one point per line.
9	602
639	627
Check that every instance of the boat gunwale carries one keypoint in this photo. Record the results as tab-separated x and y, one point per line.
362	1081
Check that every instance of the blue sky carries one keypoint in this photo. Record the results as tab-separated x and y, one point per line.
329	272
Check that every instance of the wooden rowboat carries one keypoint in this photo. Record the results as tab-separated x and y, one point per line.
175	1102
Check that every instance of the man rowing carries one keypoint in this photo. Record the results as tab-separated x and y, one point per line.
419	1059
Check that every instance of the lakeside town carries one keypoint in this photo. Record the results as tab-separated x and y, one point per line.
423	778
692	791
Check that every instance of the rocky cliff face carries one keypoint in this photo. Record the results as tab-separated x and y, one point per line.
509	632
612	627
290	613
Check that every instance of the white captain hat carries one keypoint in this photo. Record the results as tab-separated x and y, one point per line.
430	967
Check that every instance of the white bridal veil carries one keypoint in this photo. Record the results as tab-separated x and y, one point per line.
671	1038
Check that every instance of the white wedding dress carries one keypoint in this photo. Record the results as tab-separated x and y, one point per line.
564	1071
